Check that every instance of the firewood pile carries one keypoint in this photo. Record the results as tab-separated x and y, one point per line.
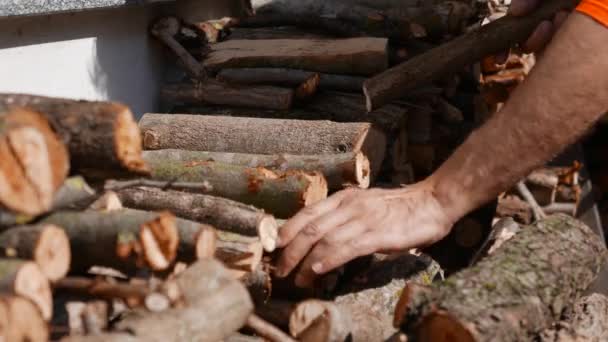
166	229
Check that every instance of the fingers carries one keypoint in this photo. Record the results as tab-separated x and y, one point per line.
349	242
311	232
540	38
289	231
522	7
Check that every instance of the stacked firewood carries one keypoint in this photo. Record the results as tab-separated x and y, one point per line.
166	229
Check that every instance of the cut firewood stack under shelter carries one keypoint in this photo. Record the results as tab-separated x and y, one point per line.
166	229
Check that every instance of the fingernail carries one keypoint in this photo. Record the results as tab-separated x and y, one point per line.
317	268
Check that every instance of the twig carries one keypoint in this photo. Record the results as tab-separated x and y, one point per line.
113	185
523	190
557	207
267	330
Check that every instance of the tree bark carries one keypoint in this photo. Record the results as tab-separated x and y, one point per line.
219	93
344	107
587	321
46	244
100	136
74	194
397	20
281	194
339	169
25	279
165	30
34	162
518	291
122	239
285	32
262	136
290	78
216	307
21	320
450	57
354	56
231	216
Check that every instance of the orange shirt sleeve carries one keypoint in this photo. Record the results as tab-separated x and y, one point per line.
597	9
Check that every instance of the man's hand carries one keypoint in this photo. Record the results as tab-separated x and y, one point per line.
354	223
544	33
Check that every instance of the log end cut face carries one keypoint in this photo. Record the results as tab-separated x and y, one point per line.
52	252
21	321
268	231
160	240
31	283
128	143
316	190
441	327
363	171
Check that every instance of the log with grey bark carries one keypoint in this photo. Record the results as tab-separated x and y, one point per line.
451	57
111	239
339	169
587	320
262	136
282	194
219	93
121	239
24	278
102	137
33	162
74	194
45	244
289	78
353	56
216	211
398	20
516	292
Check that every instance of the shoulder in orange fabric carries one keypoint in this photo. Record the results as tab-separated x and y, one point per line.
597	9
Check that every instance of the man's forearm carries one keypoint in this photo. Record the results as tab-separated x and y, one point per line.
566	93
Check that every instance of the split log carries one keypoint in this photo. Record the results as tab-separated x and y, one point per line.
122	239
219	93
587	321
216	307
308	88
315	320
451	57
219	212
280	193
134	295
339	169
25	279
46	244
100	136
354	56
21	320
34	163
514	293
290	78
262	136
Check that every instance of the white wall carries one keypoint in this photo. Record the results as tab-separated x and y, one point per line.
95	55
